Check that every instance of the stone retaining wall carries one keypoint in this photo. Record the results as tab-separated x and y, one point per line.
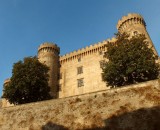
135	107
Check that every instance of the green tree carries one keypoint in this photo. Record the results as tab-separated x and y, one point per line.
29	82
129	60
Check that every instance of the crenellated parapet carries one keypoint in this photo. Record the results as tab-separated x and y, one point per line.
6	82
89	50
83	52
128	20
48	47
134	24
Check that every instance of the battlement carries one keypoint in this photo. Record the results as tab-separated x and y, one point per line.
49	47
6	81
88	50
80	72
130	19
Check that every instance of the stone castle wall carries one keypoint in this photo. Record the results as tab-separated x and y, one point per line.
90	59
134	107
64	76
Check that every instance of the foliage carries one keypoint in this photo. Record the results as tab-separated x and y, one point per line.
130	60
29	82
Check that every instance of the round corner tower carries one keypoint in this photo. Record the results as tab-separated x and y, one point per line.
134	24
6	82
48	53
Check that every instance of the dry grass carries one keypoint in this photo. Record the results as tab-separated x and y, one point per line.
115	101
90	112
153	98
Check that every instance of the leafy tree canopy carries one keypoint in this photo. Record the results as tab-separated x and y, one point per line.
129	60
29	82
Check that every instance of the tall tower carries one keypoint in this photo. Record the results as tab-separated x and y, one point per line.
48	54
134	24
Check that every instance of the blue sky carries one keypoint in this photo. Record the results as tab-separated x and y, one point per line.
72	24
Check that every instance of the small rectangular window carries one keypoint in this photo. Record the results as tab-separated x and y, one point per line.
80	70
80	82
60	76
59	88
100	52
102	64
102	77
59	64
79	59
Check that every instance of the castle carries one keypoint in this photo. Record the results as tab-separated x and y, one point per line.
79	72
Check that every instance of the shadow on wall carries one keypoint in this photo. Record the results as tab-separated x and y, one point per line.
141	119
52	126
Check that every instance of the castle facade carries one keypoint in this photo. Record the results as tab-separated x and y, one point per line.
79	72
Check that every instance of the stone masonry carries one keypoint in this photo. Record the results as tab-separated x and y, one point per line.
79	72
134	107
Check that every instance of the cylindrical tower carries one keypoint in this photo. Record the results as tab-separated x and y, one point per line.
134	24
5	102
48	54
6	82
